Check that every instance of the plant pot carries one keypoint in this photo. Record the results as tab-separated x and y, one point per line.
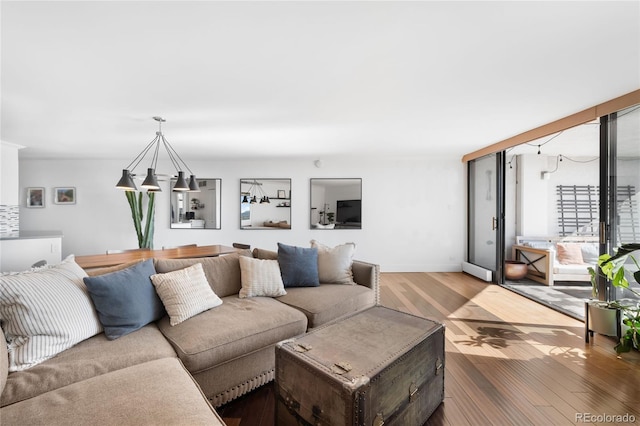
602	319
514	270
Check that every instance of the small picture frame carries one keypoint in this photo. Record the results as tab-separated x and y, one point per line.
64	195
282	193
35	197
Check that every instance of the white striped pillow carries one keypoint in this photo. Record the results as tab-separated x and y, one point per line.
260	277
44	312
185	293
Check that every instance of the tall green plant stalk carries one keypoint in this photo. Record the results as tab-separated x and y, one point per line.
145	237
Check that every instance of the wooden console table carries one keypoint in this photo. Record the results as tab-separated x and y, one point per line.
104	260
534	257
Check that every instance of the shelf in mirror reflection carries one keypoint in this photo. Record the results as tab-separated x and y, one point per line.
260	211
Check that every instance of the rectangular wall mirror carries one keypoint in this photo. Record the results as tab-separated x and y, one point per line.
336	203
265	203
197	210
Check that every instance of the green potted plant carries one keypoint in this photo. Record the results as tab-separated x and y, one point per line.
144	227
613	268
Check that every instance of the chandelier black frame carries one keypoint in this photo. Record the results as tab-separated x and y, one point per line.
150	183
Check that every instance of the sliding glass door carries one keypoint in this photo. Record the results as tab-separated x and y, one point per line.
486	203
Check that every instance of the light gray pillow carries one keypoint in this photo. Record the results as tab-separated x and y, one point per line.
261	277
334	264
185	293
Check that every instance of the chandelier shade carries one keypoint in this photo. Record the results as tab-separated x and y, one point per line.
255	190
181	183
150	182
126	182
193	184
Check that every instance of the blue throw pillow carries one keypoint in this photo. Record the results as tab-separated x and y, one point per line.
298	266
126	300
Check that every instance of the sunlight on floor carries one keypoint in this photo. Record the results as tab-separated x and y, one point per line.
521	322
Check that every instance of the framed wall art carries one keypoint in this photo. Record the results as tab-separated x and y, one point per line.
64	195
35	197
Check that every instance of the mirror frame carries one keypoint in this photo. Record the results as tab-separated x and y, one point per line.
194	207
317	217
278	216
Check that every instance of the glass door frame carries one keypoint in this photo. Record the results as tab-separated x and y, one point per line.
607	194
498	214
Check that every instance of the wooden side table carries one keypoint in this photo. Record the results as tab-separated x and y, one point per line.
535	259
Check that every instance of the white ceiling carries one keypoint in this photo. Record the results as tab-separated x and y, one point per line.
82	79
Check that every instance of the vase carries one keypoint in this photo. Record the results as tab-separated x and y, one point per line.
514	270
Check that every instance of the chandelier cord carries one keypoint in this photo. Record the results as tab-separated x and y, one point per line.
141	156
173	155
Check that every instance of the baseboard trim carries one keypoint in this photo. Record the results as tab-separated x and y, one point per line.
477	271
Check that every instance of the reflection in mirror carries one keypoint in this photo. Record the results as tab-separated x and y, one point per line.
265	203
336	203
197	210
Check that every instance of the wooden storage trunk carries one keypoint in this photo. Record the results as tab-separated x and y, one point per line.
377	367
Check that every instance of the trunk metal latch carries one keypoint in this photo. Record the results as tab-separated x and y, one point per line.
341	367
378	420
439	366
301	347
413	390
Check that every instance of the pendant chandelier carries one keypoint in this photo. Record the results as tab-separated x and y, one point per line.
151	181
252	196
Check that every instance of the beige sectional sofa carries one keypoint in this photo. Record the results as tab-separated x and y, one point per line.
163	374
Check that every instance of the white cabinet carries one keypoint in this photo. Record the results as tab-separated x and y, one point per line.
18	253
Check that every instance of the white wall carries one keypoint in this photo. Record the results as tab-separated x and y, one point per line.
531	201
9	172
413	208
533	198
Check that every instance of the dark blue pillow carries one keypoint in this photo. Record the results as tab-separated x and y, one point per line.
298	266
126	300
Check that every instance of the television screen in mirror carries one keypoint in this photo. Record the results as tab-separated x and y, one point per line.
197	210
265	203
336	203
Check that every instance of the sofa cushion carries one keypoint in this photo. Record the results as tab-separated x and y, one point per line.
126	300
87	359
185	293
108	269
237	327
260	278
259	253
44	312
222	272
334	263
156	392
329	302
298	265
590	253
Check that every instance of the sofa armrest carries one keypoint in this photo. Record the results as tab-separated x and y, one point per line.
368	275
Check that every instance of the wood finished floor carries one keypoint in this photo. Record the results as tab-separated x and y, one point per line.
509	361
